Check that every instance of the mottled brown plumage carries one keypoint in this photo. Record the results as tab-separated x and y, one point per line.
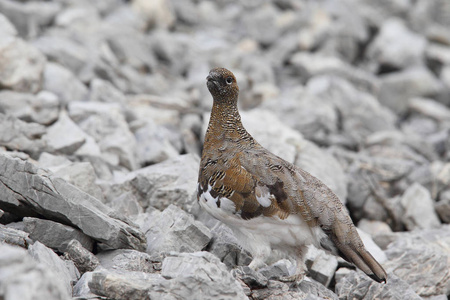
268	202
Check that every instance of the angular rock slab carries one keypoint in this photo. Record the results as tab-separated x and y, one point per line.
170	182
24	191
200	275
83	259
55	235
418	208
175	230
22	65
422	259
356	285
47	257
197	275
16	134
14	237
21	277
129	260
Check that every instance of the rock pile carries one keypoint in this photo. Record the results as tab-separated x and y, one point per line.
103	107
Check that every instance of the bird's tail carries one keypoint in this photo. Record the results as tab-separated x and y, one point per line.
361	258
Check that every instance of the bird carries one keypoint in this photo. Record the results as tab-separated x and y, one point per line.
269	203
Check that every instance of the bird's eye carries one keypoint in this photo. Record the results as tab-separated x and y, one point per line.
229	80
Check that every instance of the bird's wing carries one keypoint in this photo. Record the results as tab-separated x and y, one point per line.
251	194
264	184
299	192
332	217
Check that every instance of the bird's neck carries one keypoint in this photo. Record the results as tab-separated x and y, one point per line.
225	126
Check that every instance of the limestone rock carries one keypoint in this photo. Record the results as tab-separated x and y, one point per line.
28	193
64	136
173	181
61	235
174	230
52	261
83	259
419	208
14	236
24	278
356	285
129	260
42	108
63	83
19	135
396	47
22	65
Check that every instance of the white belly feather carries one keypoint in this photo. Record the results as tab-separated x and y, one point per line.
261	234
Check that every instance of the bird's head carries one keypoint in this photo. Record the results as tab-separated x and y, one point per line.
222	85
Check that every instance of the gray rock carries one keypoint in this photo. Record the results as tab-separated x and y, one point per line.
309	65
7	28
314	289
421	258
22	65
81	289
250	277
19	135
48	161
104	91
323	268
106	123
397	88
29	17
225	246
26	192
437	56
276	290
184	276
61	235
360	114
64	136
81	175
442	207
262	24
127	204
63	83
377	13
14	236
60	48
430	108
83	259
200	275
419	208
170	182
42	108
356	285
396	47
431	19
153	144
124	285
380	231
280	269
174	230
24	278
129	260
52	261
307	289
